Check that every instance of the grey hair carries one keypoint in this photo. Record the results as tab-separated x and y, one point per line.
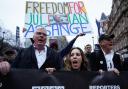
40	27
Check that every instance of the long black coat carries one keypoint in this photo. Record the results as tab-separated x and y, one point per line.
26	59
97	61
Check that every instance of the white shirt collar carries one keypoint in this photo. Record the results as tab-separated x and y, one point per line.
107	53
44	50
41	56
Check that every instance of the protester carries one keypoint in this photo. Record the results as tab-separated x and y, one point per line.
87	51
7	56
106	59
54	45
40	56
76	60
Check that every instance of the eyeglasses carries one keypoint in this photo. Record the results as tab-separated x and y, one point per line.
88	47
40	33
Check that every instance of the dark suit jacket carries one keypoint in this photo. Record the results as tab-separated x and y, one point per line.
97	61
26	58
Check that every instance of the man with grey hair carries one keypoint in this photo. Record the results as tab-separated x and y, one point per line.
40	56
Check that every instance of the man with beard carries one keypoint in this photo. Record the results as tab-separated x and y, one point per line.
105	59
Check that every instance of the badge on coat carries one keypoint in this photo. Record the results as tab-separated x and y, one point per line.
101	62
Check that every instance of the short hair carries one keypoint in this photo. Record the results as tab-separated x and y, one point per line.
40	27
87	45
106	37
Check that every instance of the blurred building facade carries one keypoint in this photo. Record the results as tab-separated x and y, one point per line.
118	25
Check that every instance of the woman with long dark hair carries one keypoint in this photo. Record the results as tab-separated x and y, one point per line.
76	60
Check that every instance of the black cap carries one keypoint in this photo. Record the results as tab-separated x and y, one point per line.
105	37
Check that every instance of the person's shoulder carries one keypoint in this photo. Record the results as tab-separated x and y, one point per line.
48	48
95	52
119	55
22	50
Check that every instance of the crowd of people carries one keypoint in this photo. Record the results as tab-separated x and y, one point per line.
40	56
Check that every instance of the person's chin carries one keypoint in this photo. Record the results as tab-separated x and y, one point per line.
75	66
40	44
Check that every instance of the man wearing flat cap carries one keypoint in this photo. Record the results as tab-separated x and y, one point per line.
106	59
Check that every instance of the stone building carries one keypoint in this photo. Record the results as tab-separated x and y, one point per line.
118	25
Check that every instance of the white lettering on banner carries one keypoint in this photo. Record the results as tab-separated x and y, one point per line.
104	87
48	87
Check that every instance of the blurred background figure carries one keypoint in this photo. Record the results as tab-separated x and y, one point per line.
54	46
7	56
87	51
7	51
65	51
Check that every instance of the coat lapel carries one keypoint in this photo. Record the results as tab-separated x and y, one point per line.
33	56
103	64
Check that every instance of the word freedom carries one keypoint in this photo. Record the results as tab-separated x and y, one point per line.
54	8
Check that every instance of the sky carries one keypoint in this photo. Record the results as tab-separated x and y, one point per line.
12	14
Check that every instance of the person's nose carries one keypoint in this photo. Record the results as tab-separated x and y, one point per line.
42	35
74	56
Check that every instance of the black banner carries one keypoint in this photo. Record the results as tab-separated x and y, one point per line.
37	79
